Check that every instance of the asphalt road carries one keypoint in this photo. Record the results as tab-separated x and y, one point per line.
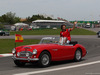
41	36
90	65
93	29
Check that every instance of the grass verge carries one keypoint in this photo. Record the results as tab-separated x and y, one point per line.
6	45
78	31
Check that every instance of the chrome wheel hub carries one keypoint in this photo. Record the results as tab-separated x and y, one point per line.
78	55
45	59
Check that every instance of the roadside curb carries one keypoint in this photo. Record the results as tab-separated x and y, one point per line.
6	55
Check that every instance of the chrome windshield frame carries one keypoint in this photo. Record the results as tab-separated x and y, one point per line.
55	40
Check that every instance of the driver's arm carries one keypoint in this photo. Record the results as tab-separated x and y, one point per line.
73	26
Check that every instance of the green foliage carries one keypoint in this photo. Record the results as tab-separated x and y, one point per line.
1	26
9	18
37	17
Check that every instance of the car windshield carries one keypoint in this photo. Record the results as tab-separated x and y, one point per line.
50	40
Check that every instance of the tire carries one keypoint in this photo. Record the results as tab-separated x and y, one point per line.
98	36
18	63
44	59
8	35
78	55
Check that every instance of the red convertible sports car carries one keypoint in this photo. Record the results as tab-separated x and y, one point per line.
49	49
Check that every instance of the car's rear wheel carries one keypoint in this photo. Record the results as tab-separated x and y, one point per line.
44	59
78	55
19	63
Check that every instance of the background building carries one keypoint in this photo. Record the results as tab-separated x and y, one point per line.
48	23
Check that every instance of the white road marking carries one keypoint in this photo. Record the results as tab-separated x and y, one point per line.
56	69
6	55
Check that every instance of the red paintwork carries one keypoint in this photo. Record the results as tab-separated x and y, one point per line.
58	52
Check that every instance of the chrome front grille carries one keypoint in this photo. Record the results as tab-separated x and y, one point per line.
25	53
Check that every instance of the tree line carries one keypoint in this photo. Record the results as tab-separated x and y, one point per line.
10	18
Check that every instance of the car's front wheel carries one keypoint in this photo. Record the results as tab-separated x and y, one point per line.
19	63
78	55
44	59
98	36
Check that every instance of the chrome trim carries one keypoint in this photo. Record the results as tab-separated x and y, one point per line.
27	59
54	49
86	52
72	47
27	47
23	53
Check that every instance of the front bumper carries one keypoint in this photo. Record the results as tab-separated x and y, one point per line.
26	59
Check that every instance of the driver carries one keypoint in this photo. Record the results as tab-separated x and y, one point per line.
65	33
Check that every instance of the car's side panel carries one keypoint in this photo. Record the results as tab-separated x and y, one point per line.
68	51
58	53
55	51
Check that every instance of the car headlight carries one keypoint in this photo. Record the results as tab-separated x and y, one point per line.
34	51
14	51
18	54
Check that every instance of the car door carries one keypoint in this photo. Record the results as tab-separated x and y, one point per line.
68	51
57	51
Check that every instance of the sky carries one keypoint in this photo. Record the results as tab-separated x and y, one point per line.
67	9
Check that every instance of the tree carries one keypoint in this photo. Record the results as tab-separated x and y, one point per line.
37	17
9	18
49	18
1	26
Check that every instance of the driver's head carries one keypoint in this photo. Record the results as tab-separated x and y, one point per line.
63	27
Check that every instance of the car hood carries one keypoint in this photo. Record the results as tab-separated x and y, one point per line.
34	46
